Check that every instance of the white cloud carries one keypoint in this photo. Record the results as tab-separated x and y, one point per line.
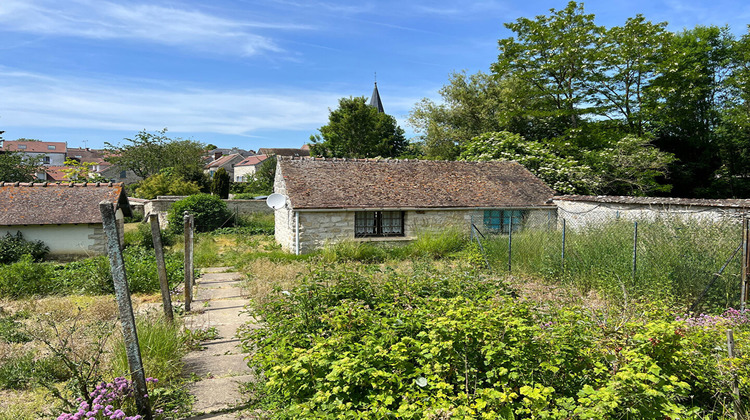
39	101
145	22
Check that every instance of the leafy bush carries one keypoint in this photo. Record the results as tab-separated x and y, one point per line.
209	211
441	345
26	278
13	247
141	236
22	371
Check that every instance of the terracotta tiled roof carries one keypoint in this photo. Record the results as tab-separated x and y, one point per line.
658	201
252	160
35	146
283	152
339	183
223	160
55	173
87	155
68	203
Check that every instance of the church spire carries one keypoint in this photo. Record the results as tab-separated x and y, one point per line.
375	101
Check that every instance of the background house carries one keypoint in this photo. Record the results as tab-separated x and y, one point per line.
52	153
64	216
227	162
330	200
247	167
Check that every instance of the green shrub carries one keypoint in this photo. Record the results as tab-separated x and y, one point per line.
22	371
372	344
141	236
13	247
26	278
209	212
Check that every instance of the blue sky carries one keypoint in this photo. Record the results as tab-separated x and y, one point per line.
256	73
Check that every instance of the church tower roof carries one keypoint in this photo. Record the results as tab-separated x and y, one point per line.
375	101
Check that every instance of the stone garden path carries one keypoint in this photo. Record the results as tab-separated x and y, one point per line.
220	366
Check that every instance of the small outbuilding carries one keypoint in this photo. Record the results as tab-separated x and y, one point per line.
331	200
65	216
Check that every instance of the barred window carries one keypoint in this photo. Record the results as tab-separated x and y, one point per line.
378	223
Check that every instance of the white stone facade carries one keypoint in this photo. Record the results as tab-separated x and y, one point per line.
580	214
319	228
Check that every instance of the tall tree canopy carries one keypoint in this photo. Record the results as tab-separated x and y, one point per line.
148	153
18	167
647	110
356	130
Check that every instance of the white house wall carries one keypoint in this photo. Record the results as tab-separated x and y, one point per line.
64	240
582	214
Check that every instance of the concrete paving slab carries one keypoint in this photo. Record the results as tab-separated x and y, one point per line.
220	365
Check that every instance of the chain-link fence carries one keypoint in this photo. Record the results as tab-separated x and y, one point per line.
695	260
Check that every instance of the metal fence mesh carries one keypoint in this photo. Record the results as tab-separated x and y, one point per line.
670	255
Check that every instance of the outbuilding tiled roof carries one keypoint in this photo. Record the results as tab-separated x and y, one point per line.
658	201
278	151
372	184
50	204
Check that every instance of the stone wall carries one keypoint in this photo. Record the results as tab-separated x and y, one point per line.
318	228
161	205
580	214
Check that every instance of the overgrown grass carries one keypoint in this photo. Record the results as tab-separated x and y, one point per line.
674	260
163	344
88	276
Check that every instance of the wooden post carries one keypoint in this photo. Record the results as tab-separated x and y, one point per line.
635	248
735	385
161	267
192	249
122	294
745	262
188	265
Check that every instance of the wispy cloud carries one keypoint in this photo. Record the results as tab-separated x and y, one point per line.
144	22
41	101
36	100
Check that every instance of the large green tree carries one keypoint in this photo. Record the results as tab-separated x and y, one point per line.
554	56
18	167
148	153
357	130
684	106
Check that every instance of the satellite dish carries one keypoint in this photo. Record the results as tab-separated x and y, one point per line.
276	201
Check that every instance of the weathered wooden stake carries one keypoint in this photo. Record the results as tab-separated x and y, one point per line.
122	294
735	386
188	265
635	248
745	262
161	267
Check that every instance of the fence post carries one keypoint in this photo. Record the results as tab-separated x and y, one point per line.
735	385
188	264
745	262
510	241
125	307
563	244
635	247
161	267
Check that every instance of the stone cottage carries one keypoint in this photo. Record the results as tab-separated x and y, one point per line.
64	216
330	200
